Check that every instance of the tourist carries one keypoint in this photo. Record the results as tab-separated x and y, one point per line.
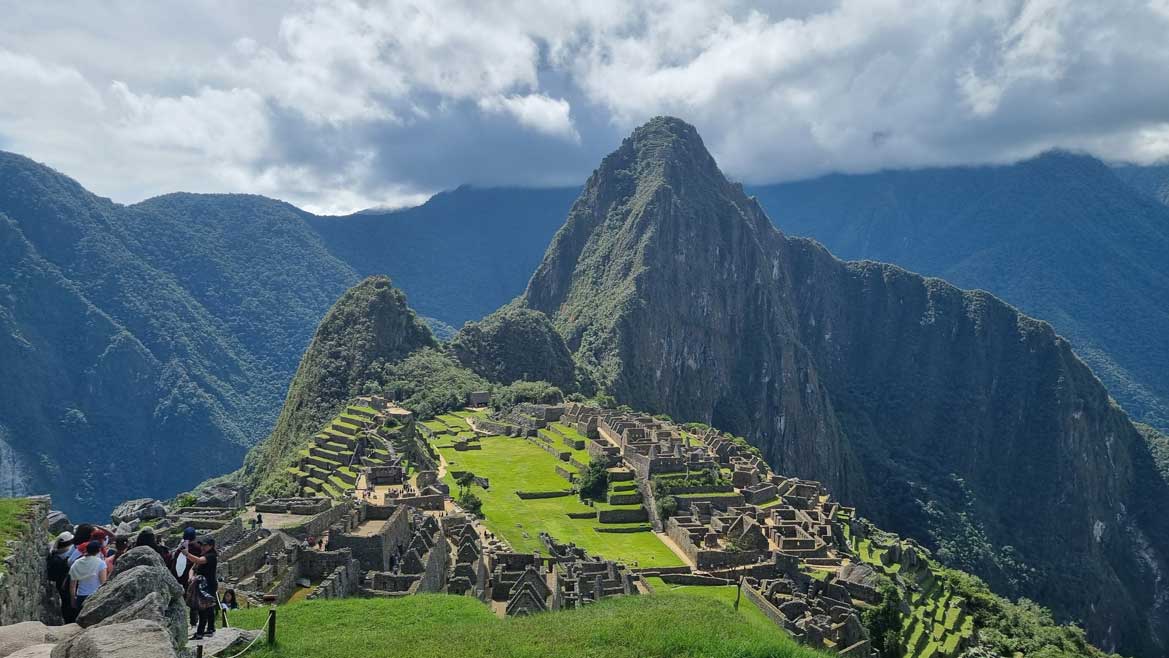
311	543
81	535
121	545
206	583
87	574
148	538
183	566
57	570
228	602
259	520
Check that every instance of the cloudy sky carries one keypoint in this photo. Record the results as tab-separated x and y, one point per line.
343	105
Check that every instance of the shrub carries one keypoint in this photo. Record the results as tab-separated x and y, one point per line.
594	483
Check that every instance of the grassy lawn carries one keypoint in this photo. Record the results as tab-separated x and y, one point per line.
12	511
433	626
724	594
513	464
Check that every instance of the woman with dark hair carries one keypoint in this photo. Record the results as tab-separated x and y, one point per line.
204	585
81	535
148	538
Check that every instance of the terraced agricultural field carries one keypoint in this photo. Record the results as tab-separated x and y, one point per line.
515	464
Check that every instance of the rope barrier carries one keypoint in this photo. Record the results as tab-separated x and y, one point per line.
250	644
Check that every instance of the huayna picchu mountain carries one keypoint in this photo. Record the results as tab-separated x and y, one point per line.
946	414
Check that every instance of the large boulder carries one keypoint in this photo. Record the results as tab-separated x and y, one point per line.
139	509
128	590
221	495
15	637
860	574
57	522
136	639
34	651
137	557
151	608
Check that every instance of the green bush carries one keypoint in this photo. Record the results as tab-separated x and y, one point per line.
594	482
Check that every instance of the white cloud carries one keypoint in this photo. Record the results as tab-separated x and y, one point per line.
345	104
536	111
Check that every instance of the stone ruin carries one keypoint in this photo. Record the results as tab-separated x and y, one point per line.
818	613
417	557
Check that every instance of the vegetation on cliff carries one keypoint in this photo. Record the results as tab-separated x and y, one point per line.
515	344
1060	236
368	328
165	323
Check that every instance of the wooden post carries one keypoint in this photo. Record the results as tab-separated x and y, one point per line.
272	626
738	592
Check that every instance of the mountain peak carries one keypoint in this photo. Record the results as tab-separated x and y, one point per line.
663	149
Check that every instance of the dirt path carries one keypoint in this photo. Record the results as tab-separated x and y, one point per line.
674	547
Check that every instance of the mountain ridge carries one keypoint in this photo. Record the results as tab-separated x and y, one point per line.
848	372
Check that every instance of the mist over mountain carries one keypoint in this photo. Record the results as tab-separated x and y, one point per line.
947	415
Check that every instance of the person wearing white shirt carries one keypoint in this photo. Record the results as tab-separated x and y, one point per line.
87	574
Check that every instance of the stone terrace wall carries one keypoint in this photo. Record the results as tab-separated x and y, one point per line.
24	592
373	551
344	581
317	525
249	560
437	563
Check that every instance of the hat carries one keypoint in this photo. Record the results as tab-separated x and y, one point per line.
63	539
208	541
189	533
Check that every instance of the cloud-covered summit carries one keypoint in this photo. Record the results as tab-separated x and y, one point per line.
342	105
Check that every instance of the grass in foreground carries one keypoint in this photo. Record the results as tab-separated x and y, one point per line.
513	464
12	512
430	626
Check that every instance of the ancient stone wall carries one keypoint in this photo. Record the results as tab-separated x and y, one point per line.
317	525
437	563
765	606
24	592
637	515
343	581
252	558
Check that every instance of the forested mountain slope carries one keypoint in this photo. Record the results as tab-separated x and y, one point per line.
947	415
139	337
1059	236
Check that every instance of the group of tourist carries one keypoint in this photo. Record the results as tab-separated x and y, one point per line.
80	562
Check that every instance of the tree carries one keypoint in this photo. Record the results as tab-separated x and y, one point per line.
471	503
594	483
884	622
667	507
465	479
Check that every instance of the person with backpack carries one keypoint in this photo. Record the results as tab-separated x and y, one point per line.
57	570
203	586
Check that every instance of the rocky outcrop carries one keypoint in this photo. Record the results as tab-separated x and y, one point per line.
144	592
15	637
139	509
138	557
940	412
136	639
